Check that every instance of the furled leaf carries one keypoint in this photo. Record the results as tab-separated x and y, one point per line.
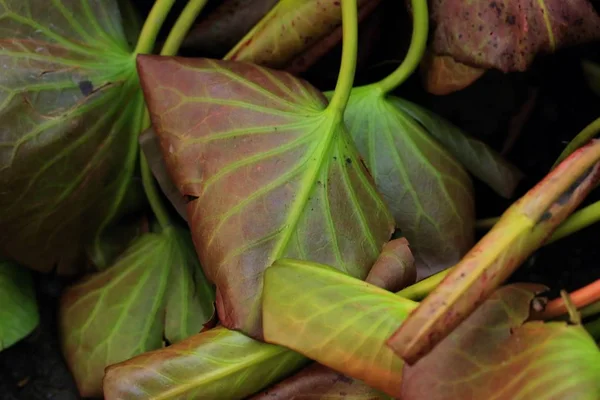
491	355
506	34
444	75
69	117
521	230
216	364
335	319
317	382
394	268
269	173
428	191
480	159
151	292
18	307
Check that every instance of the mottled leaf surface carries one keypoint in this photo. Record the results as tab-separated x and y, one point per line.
18	307
216	364
507	34
335	319
428	191
492	355
69	116
151	292
480	159
269	173
317	382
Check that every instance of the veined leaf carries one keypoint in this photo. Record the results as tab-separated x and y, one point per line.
150	293
335	319
270	173
69	117
18	307
480	159
428	191
491	355
317	382
216	364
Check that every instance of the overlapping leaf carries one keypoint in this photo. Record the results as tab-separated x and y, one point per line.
335	319
428	191
317	382
69	116
493	356
268	171
18	307
394	268
443	75
507	34
155	290
216	364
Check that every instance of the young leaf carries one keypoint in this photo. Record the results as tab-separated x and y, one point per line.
480	159
508	34
317	382
335	319
428	191
18	311
394	268
492	355
270	174
443	75
69	113
216	364
150	293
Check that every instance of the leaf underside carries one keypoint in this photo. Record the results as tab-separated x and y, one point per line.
68	105
270	172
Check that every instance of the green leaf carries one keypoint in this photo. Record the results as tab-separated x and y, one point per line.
70	109
216	364
151	292
335	319
269	173
493	355
428	191
18	311
317	382
480	159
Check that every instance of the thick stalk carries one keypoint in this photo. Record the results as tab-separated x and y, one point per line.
182	26
152	26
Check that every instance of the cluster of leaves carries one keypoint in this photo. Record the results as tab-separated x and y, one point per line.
291	198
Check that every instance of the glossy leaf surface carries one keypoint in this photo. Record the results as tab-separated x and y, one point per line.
216	364
335	319
508	34
152	292
493	355
269	173
480	159
428	191
18	311
69	116
317	382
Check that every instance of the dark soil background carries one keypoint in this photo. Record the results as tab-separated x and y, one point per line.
34	369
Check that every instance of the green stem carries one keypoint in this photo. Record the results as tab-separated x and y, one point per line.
416	50
582	138
345	80
152	26
182	26
421	289
593	328
590	310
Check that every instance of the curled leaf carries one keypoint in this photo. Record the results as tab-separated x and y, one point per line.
269	173
69	117
155	290
394	268
444	75
18	311
216	364
335	319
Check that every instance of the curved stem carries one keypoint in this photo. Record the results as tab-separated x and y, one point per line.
182	26
582	138
590	310
152	26
158	208
580	298
421	289
345	80
416	50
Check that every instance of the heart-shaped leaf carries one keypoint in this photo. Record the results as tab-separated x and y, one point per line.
269	172
216	364
492	355
69	116
155	290
18	307
335	319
